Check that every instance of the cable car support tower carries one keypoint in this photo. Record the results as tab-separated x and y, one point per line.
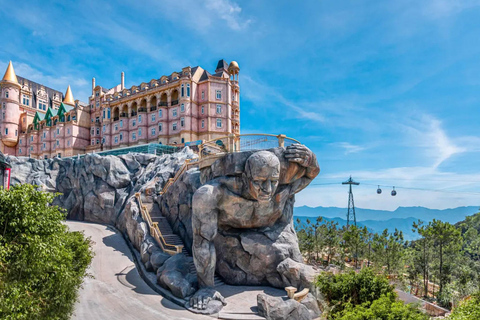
351	204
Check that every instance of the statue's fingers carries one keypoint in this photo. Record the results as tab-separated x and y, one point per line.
207	300
298	160
220	298
195	302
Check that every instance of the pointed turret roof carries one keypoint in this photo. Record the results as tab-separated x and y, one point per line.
10	74
69	97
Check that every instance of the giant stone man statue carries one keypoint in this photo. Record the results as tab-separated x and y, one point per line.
258	199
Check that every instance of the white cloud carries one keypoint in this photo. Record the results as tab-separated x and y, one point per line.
201	16
427	133
348	147
228	11
415	186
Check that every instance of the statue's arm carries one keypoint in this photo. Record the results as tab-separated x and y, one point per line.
302	167
204	224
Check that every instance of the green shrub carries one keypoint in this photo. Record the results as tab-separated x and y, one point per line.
384	308
42	264
352	288
468	309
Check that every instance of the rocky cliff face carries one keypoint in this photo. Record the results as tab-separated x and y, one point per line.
101	188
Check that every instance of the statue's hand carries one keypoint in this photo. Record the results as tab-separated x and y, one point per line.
300	154
202	297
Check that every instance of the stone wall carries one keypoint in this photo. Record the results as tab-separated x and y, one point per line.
101	189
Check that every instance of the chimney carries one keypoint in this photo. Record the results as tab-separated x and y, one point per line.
93	86
122	84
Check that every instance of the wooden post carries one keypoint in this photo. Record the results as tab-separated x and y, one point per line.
281	140
291	291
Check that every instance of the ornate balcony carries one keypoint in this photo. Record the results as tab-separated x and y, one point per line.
174	102
142	110
163	104
153	108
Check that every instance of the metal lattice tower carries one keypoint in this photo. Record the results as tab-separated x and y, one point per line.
351	204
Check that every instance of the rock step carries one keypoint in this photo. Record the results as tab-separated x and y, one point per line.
239	316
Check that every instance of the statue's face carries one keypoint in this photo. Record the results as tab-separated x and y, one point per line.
262	173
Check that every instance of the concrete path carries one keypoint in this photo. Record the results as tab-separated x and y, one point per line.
117	291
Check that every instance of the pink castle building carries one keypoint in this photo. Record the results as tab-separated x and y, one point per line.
187	106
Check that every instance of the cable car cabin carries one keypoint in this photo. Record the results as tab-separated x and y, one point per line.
394	193
5	172
379	191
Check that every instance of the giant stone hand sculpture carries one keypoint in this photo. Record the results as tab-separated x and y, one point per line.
258	199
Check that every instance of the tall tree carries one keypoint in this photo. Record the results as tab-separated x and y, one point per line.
388	250
447	242
423	249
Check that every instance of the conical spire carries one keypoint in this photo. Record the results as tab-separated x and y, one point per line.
69	97
10	74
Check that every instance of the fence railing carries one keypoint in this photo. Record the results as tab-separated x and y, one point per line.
186	165
244	142
155	231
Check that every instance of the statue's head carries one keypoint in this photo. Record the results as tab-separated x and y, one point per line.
262	172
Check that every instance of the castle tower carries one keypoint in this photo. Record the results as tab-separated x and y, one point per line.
10	110
68	99
234	70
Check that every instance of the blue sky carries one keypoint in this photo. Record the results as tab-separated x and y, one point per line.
387	91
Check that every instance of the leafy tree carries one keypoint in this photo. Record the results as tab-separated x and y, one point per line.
388	249
330	237
447	242
384	308
423	249
352	288
306	237
355	242
42	265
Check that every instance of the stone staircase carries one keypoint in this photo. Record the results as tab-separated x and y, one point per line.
172	238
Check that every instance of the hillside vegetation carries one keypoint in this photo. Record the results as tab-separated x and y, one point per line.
442	265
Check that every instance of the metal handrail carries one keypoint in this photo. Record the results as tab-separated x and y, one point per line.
232	139
188	163
155	231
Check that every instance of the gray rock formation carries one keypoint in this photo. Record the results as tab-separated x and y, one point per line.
235	216
174	275
277	308
101	188
250	226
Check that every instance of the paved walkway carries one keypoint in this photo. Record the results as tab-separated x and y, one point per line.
117	291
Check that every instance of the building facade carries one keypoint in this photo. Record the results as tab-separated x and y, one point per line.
186	106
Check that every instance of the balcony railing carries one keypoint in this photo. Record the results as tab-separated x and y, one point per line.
115	118
124	115
163	104
134	113
142	110
153	108
174	102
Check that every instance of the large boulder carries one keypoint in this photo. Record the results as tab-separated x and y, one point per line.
277	308
174	275
296	274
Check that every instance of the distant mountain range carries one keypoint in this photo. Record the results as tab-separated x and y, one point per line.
378	220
